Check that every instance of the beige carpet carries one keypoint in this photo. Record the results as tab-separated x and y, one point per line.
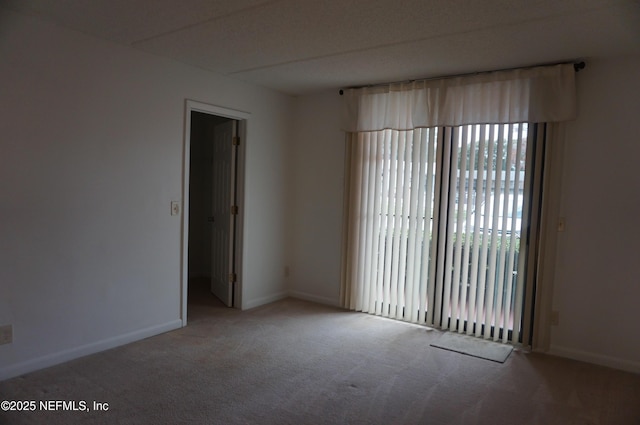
294	362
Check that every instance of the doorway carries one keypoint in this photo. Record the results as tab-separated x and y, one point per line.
212	212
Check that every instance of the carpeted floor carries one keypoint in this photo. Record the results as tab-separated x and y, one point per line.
295	362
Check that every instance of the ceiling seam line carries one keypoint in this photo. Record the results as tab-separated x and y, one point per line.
400	43
206	21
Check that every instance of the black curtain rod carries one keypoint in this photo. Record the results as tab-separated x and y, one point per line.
577	66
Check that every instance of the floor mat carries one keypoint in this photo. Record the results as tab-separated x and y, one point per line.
473	346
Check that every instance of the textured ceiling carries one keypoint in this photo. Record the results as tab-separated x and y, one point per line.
305	46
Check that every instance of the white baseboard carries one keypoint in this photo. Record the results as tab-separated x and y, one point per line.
257	302
84	350
315	298
599	359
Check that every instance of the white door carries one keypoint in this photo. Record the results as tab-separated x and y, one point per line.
223	216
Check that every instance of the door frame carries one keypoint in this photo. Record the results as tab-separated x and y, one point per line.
243	119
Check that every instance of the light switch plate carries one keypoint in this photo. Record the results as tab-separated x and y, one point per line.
175	207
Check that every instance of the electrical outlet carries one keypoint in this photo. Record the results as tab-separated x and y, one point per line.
555	318
6	334
561	224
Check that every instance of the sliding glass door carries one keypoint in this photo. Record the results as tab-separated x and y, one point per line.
484	230
437	226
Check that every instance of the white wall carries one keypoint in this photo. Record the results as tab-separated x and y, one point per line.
597	281
91	140
317	166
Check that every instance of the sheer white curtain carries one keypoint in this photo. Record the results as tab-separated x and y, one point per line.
425	160
541	94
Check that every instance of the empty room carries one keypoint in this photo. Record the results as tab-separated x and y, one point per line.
319	212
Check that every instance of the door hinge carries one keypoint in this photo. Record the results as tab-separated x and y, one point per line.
235	141
232	277
234	209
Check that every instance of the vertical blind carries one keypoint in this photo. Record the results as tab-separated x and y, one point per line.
436	221
391	197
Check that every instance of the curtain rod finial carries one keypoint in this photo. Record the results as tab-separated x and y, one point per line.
579	65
